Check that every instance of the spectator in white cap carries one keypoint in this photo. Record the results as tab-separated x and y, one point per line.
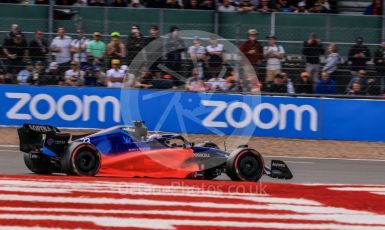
301	7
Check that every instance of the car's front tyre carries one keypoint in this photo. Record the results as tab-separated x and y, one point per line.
245	165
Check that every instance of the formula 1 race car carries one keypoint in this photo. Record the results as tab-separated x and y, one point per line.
132	151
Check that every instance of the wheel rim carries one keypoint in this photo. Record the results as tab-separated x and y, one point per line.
86	162
249	167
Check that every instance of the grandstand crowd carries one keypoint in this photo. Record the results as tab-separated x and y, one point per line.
187	64
263	6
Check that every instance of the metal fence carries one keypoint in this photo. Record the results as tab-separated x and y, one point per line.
290	29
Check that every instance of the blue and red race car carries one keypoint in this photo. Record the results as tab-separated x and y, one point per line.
131	151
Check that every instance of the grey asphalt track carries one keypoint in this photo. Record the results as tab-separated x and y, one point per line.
305	170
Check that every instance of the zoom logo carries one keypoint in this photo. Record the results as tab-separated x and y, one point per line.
279	115
27	107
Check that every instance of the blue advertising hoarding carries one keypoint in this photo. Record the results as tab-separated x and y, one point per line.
218	113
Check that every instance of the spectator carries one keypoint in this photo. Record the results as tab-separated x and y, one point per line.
145	78
208	5
360	78
356	89
154	50
265	7
74	76
65	2
374	9
278	85
379	61
52	77
79	48
197	53
129	78
175	47
136	4
251	83
173	4
199	86
301	7
226	6
91	76
215	57
2	76
6	78
193	79
118	3
97	3
24	77
165	82
325	85
60	45
288	82
155	3
80	3
115	75
217	83
96	48
312	50
284	6
89	64
135	43
304	84
231	84
15	30
332	60
116	49
358	55
253	50
42	2
246	6
274	54
38	73
192	5
320	7
15	50
372	88
38	48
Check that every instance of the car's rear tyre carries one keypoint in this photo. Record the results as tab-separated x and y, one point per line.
208	144
245	165
81	159
38	165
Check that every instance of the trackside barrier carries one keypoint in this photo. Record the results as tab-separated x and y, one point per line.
221	114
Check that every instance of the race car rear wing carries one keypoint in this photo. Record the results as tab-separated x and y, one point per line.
33	137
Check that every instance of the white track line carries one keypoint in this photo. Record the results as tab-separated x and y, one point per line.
300	162
7	150
9	146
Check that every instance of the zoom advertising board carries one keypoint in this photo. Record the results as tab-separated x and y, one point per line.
187	112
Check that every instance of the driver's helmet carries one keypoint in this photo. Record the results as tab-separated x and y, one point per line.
154	137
